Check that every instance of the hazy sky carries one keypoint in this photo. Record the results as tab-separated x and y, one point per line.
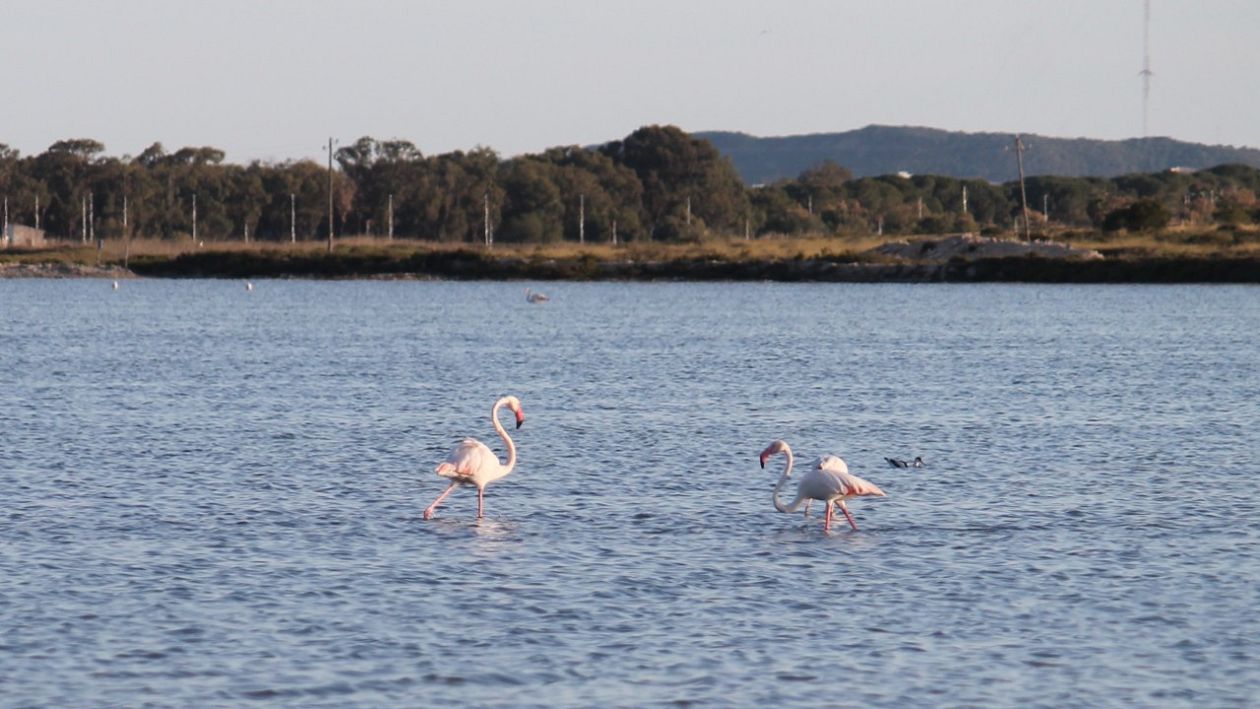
274	80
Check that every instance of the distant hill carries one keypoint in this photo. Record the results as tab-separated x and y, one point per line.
883	150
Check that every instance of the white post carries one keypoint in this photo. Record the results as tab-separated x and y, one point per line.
330	196
292	219
581	219
126	235
486	202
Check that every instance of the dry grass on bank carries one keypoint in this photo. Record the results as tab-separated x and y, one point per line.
1176	243
1171	243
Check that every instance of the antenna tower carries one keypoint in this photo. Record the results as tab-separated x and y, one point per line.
1146	63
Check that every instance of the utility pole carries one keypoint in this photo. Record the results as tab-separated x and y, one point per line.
330	196
390	217
1023	195
581	219
126	234
292	219
489	240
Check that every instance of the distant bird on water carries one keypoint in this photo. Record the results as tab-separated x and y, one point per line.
115	285
249	286
535	297
828	480
473	463
901	463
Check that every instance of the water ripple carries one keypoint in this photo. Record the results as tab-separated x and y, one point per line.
217	501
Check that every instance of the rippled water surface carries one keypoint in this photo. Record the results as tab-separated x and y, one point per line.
213	496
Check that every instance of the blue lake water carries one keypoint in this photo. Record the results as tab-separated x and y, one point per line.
213	497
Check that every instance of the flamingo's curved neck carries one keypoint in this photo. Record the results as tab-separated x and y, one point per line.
787	473
507	440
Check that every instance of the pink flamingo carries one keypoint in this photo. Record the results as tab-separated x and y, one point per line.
473	463
829	480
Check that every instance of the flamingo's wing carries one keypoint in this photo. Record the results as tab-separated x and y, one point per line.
818	484
851	485
468	457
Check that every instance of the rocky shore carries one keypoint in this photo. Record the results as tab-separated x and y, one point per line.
62	269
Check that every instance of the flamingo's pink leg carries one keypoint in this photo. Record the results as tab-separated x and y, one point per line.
428	511
827	518
845	509
481	502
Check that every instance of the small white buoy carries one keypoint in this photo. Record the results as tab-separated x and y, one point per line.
249	286
115	285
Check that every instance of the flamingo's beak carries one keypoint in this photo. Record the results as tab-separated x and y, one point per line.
520	419
763	460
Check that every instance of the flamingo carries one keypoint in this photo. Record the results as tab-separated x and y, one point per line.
473	463
535	297
828	480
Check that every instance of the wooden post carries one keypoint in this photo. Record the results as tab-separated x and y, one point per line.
330	196
1023	195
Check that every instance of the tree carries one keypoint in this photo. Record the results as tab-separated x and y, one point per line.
681	174
1141	215
65	170
534	209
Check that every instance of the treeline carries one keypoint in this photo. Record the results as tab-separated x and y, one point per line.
659	183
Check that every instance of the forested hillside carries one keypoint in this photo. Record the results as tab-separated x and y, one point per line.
657	184
886	150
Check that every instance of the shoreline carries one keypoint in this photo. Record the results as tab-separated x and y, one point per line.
952	259
1016	269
